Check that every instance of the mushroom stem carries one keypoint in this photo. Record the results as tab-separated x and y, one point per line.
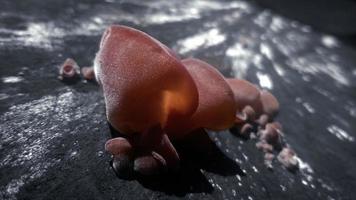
122	152
156	139
263	120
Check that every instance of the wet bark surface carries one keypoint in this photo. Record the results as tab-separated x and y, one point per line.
52	134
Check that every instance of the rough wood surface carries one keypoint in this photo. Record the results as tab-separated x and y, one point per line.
52	134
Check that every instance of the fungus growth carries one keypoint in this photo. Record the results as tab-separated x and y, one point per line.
153	97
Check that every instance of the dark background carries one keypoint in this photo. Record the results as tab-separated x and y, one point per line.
52	134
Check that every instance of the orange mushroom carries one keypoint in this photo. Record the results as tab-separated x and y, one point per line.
144	86
143	83
216	109
253	102
247	97
245	93
270	105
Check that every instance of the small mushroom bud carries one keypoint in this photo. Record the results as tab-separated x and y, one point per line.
247	114
245	130
288	159
263	120
240	117
69	70
264	146
270	134
268	160
250	112
118	145
277	126
122	151
122	165
88	73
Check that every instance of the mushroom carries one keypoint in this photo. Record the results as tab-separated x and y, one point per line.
288	159
122	152
69	70
247	97
216	109
271	134
144	86
270	105
143	80
88	73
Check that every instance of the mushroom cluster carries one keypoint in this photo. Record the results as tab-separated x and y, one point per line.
152	97
70	72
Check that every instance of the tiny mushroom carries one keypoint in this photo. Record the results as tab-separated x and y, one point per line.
69	70
88	73
288	158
